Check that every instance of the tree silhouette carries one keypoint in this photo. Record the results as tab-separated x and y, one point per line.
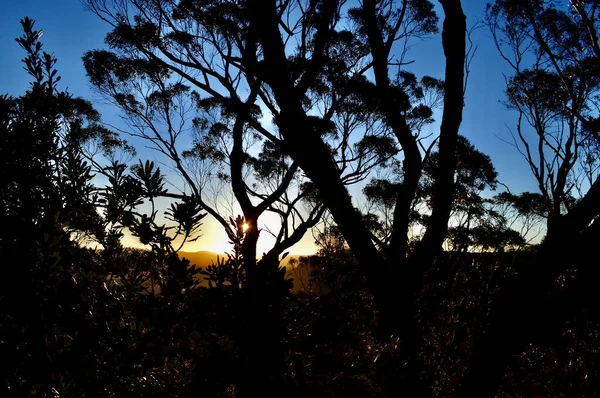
304	64
74	320
551	47
290	103
474	220
46	198
285	116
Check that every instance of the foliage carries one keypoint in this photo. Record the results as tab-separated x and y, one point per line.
286	117
75	320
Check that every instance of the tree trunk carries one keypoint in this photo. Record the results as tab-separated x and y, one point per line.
306	147
454	43
396	283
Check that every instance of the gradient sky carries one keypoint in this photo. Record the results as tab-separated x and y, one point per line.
70	31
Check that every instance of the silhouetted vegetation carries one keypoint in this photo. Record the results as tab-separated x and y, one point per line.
435	287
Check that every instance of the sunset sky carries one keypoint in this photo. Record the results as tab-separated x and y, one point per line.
70	30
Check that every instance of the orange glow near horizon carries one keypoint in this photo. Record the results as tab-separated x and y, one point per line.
214	239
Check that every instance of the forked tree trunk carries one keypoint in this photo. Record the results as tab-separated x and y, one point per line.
396	304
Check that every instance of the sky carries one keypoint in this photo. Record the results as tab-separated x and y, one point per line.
70	30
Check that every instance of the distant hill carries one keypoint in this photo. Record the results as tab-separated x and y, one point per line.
203	259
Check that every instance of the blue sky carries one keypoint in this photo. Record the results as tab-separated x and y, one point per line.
70	31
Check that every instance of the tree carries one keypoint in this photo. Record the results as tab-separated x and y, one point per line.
553	49
46	197
305	63
527	209
474	220
474	174
74	320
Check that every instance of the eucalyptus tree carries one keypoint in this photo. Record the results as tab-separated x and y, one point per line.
552	48
309	73
474	222
474	174
324	86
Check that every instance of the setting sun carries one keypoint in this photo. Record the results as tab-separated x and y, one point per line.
245	226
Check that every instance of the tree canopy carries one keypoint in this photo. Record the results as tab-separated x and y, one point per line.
426	281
